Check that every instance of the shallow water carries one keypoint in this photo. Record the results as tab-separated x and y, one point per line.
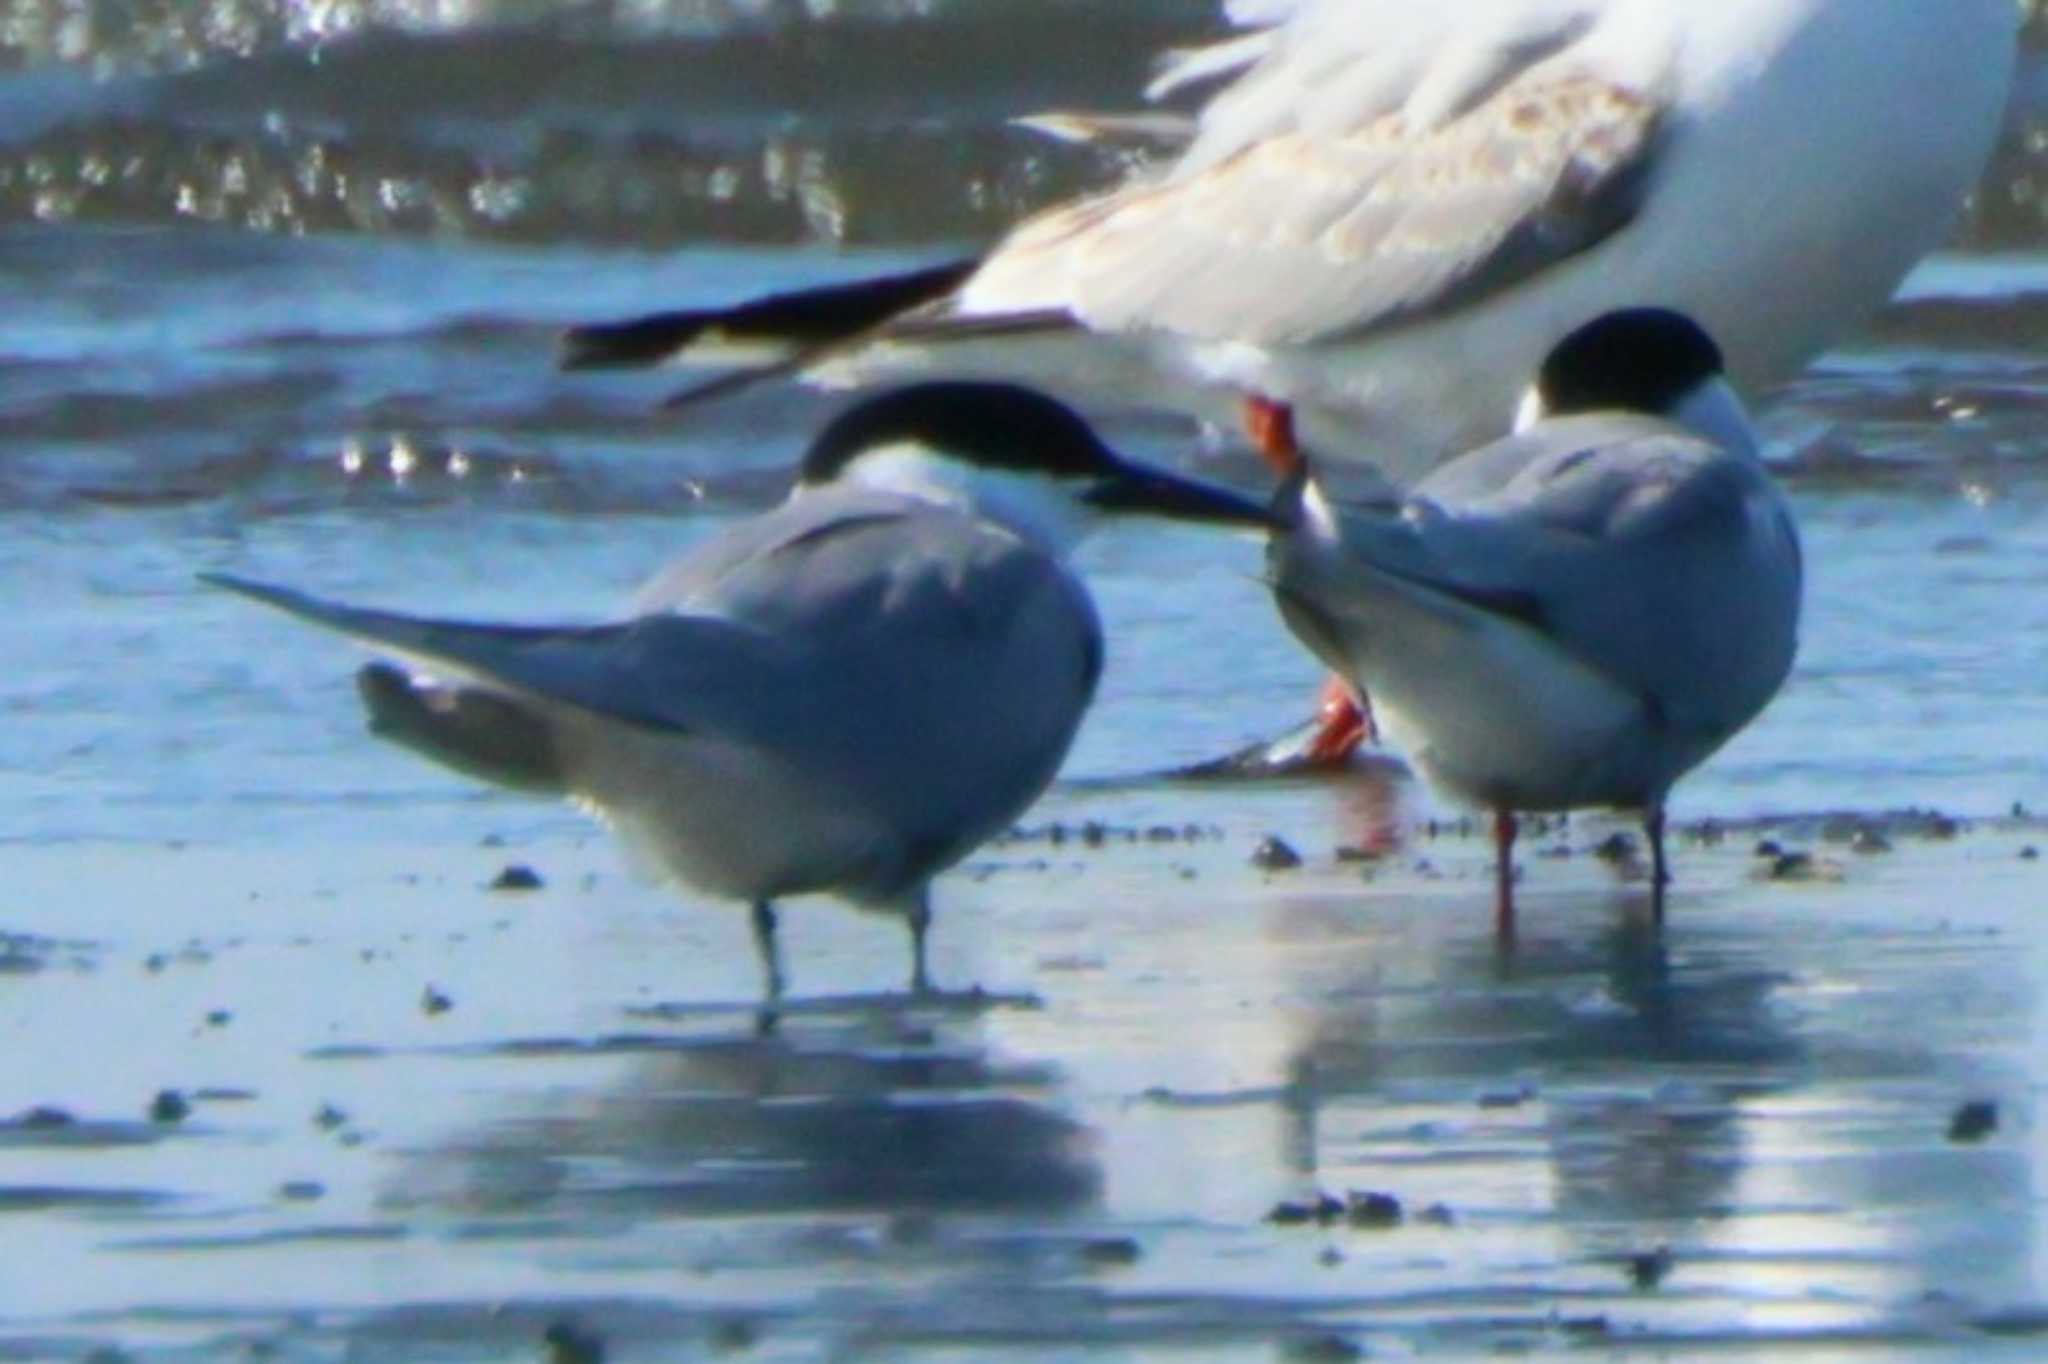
280	283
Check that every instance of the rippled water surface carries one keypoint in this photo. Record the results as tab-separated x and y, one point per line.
278	289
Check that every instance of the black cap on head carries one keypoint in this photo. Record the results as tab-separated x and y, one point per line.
1634	360
997	426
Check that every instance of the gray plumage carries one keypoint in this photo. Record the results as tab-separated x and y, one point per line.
1573	616
847	694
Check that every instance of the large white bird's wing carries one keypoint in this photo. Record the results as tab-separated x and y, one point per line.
1353	177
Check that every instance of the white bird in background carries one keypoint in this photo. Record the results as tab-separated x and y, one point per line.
1577	614
847	694
1394	209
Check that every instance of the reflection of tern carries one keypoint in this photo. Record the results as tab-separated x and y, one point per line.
847	694
1392	211
1577	614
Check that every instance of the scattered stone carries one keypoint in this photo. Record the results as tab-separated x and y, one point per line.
1323	1211
1973	1121
1617	849
1352	852
569	1343
224	1094
1869	840
41	1118
1584	1326
433	1002
732	1335
1437	1215
1769	847
1506	1098
1792	866
2030	853
327	1117
1329	1257
1941	826
1330	1349
155	962
517	876
1647	1269
168	1107
219	1018
1111	1251
1094	833
1376	1211
302	1191
1275	854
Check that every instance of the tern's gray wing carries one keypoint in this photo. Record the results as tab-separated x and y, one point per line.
1367	194
1665	562
907	659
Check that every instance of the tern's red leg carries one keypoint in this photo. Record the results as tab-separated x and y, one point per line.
1271	428
1343	722
1343	714
1504	876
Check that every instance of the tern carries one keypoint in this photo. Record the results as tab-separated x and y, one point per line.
847	694
1577	614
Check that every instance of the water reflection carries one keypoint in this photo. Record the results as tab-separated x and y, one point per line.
1768	1100
875	1111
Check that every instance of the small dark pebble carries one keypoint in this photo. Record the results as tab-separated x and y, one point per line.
492	841
1375	1210
1093	833
569	1343
1329	1257
1322	1212
1869	840
301	1190
155	962
2030	853
106	1354
433	1002
1647	1270
219	1018
1111	1251
41	1118
1437	1215
1941	826
327	1117
1274	854
1974	1121
731	1335
169	1106
1319	1350
1351	852
1769	847
1616	847
517	876
1584	1326
1791	866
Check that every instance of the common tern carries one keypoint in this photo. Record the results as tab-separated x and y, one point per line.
1577	614
847	694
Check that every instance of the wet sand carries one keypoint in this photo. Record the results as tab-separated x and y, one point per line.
431	1120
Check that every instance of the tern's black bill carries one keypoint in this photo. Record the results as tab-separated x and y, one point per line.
1152	492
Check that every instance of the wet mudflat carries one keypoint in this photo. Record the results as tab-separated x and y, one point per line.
357	1103
311	1052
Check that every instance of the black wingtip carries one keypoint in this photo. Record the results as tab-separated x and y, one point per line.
806	319
636	343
